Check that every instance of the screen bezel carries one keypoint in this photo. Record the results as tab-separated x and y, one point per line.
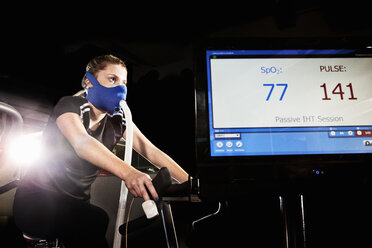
203	155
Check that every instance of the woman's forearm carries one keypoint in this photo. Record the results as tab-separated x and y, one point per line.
161	159
94	152
157	157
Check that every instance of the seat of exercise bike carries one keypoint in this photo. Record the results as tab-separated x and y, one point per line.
30	238
34	239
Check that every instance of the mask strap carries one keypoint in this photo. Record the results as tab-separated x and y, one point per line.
92	79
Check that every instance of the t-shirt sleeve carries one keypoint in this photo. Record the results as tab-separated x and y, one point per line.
69	104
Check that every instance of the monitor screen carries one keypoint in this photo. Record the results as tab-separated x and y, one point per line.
288	102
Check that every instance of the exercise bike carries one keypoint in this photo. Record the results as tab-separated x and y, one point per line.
168	193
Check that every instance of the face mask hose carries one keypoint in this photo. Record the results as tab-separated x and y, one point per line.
128	160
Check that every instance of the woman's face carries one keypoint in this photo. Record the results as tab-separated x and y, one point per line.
111	76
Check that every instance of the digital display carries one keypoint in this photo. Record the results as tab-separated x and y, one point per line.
271	102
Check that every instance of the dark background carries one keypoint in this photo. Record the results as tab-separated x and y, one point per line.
44	51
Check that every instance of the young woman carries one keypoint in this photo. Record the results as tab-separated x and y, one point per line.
53	199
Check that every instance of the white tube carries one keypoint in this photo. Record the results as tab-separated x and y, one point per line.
128	160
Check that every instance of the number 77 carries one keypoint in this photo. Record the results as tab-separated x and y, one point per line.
272	88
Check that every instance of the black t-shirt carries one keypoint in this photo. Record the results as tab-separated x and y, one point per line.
61	169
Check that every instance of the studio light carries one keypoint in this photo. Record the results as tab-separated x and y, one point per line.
25	149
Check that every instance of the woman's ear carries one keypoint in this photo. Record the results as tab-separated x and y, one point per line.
88	84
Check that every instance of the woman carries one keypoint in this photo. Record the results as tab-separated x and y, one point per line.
53	199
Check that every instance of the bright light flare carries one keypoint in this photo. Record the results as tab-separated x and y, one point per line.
25	149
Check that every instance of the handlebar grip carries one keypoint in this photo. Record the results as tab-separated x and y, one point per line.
162	181
179	189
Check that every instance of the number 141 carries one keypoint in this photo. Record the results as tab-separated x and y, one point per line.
338	91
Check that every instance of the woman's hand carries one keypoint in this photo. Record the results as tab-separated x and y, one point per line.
137	182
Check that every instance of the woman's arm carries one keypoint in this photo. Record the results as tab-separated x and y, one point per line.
143	146
93	151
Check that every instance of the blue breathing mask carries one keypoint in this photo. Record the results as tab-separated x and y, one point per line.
104	98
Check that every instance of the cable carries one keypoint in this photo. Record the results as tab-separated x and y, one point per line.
126	225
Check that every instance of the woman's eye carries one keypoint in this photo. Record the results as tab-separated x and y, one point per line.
112	79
